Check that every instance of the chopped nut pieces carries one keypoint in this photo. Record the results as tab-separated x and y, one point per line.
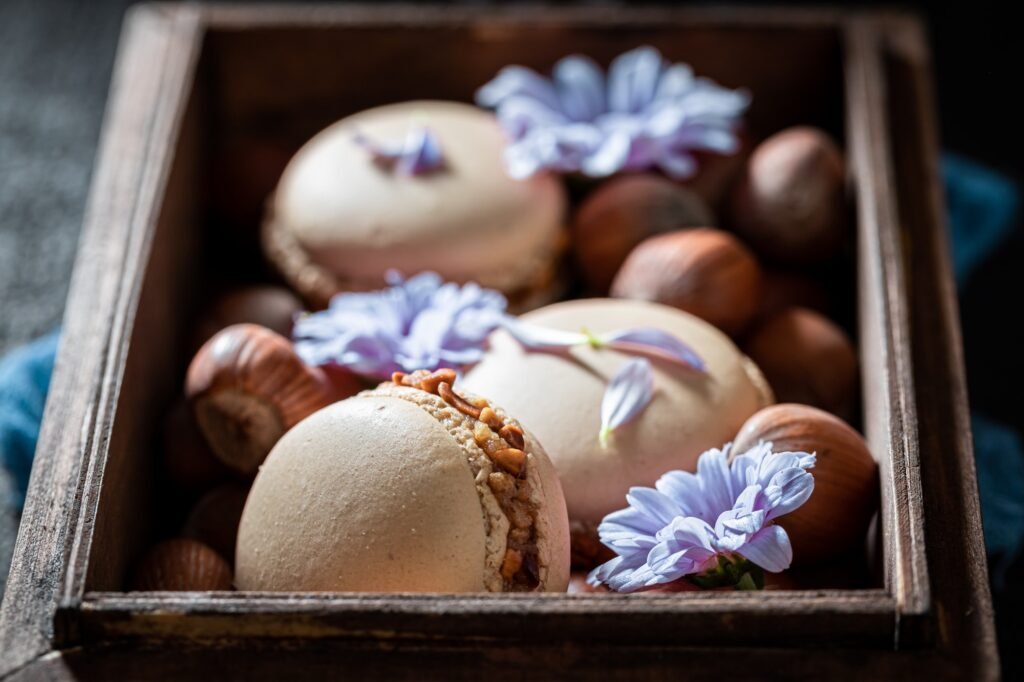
491	418
511	460
511	565
513	435
444	389
505	446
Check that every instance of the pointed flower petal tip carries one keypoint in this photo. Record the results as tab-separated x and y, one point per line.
419	323
715	526
657	344
646	113
417	154
626	396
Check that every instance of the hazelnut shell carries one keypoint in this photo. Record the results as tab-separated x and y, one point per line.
705	272
247	387
269	306
188	459
790	204
620	214
807	359
182	565
214	518
834	521
783	289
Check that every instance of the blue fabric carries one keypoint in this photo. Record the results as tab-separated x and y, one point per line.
24	381
982	205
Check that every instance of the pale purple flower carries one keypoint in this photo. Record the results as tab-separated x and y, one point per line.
626	395
645	114
419	323
691	524
650	341
417	153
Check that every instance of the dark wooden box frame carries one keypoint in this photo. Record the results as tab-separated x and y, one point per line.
63	617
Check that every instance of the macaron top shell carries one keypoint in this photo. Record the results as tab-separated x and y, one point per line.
468	220
558	398
384	492
354	497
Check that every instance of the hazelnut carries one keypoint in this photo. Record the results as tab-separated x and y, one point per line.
835	519
268	306
187	458
247	388
343	380
706	272
623	212
807	359
718	173
182	565
790	203
781	289
214	518
586	550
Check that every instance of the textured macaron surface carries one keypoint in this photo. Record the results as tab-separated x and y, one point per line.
467	221
369	494
558	396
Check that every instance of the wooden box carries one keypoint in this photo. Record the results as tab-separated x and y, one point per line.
192	80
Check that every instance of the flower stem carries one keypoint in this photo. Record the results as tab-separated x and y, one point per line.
735	571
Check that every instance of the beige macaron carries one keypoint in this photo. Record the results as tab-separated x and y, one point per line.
558	397
338	220
397	490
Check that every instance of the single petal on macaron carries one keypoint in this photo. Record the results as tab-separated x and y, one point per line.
627	395
654	342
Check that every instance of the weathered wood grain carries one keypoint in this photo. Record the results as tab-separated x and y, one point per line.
75	418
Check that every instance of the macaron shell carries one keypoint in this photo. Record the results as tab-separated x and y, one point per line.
558	398
368	494
467	221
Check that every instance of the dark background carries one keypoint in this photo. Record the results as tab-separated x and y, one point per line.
55	62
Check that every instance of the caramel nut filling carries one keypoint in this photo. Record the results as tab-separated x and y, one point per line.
511	460
513	435
505	446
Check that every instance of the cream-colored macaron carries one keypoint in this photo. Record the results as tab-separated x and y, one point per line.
558	397
397	490
338	220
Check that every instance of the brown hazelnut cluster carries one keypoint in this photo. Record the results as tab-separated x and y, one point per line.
245	387
754	270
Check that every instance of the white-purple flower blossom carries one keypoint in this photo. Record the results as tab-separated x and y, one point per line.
688	523
646	114
419	323
417	153
626	396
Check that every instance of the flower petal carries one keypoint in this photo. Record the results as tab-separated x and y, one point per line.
419	323
517	81
715	480
580	86
684	489
537	337
654	505
769	548
610	157
633	79
655	342
418	153
626	396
